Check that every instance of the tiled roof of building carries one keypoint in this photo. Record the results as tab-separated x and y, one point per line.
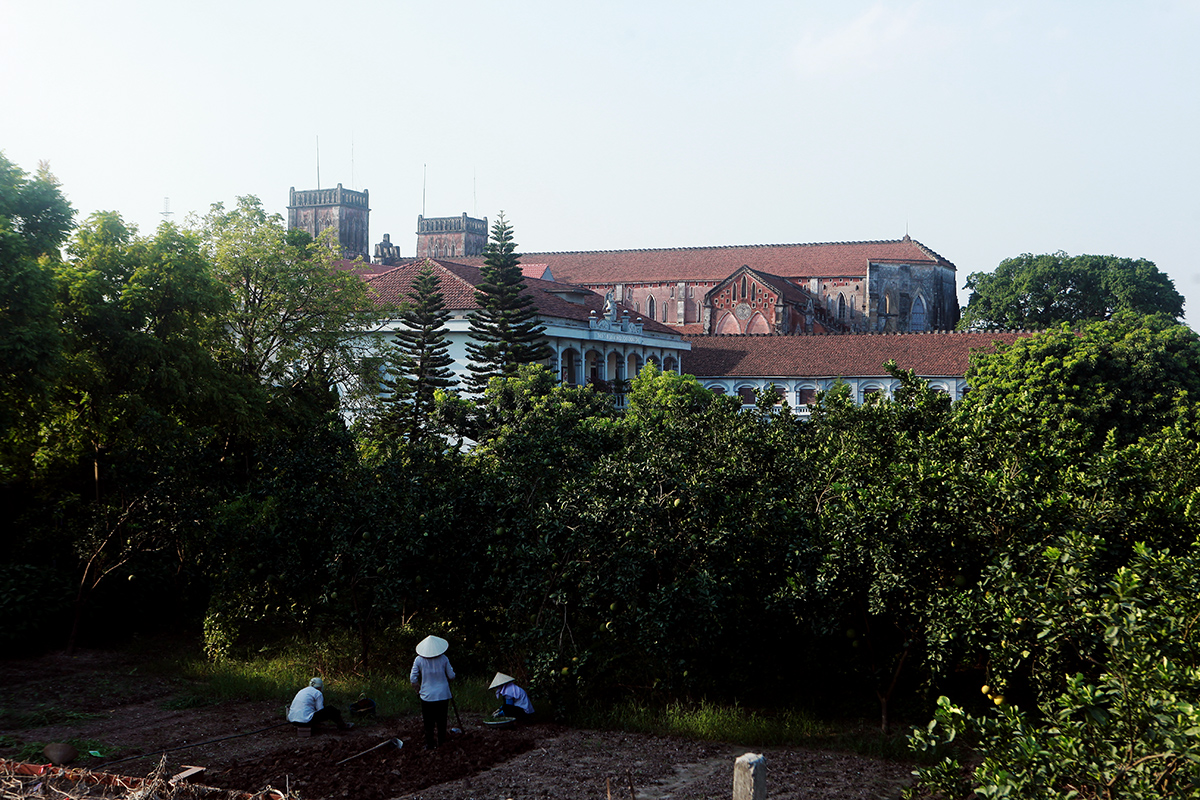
832	259
845	355
539	271
458	282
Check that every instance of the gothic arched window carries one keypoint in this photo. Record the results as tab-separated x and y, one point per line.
916	319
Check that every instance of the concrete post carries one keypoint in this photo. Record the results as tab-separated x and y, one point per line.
750	777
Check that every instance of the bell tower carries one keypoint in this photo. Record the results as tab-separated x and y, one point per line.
451	237
344	210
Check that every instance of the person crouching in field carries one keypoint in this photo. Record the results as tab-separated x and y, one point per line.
431	675
515	700
308	708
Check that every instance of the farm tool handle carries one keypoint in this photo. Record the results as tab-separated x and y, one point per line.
454	703
384	743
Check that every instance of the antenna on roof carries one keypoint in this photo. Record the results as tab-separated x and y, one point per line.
474	193
166	212
318	162
353	185
424	175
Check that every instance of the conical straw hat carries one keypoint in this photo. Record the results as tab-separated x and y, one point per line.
501	679
432	646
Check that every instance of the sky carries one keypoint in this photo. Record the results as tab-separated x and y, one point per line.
984	130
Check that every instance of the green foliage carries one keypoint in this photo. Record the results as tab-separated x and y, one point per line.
1036	292
623	559
1124	378
883	564
417	363
34	221
505	333
272	548
294	320
1130	727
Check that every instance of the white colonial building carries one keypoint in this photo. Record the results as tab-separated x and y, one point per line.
594	339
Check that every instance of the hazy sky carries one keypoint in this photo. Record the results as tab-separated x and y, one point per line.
984	129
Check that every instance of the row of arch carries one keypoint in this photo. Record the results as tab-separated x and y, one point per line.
441	250
577	367
802	394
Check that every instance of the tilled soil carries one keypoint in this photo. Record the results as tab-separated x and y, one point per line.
127	710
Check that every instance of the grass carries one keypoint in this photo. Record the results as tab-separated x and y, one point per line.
714	722
733	723
279	677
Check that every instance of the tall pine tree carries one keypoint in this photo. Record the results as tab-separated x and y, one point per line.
505	332
419	358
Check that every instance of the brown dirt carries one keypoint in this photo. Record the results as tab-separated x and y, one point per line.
532	761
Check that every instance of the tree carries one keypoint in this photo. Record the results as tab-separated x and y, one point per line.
34	221
1036	292
136	396
1126	378
880	572
295	322
1128	730
505	331
137	318
420	357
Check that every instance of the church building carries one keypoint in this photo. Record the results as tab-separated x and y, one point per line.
800	317
840	287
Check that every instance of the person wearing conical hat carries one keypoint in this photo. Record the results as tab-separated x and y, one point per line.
515	700
431	675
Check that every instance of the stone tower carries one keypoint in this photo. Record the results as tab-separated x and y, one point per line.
345	210
451	237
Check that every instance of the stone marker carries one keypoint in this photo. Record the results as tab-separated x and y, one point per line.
750	777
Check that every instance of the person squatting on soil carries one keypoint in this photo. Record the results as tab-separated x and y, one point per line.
431	675
308	708
515	700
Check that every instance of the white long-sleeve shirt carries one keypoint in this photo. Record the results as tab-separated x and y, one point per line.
308	701
511	692
432	676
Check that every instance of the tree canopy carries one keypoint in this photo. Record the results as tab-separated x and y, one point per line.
294	319
34	222
1044	291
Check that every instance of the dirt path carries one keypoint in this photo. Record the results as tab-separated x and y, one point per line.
128	710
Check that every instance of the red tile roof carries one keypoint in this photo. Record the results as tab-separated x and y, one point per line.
832	259
458	282
939	354
539	271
